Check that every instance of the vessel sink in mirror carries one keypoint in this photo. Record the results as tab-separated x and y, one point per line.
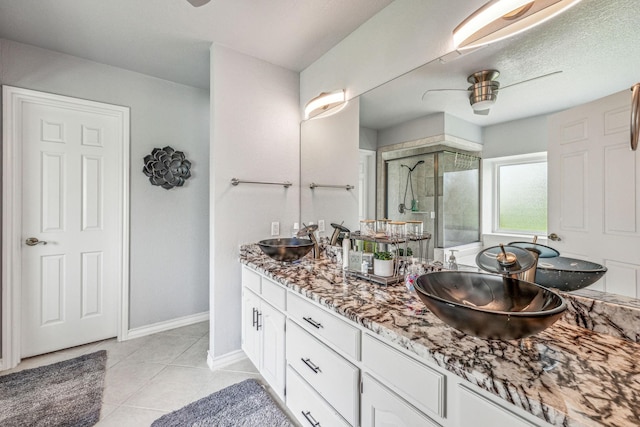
489	306
568	274
286	249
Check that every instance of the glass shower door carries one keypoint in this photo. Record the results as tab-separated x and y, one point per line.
458	199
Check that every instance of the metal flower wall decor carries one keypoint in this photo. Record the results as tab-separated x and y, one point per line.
167	167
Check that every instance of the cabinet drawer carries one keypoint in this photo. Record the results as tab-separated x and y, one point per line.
251	279
275	294
324	325
381	407
479	411
335	379
417	383
307	405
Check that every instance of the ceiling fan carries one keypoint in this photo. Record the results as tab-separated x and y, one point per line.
198	3
484	89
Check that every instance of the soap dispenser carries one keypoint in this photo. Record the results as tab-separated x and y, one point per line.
452	263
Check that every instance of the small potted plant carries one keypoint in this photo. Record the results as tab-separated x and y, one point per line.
383	264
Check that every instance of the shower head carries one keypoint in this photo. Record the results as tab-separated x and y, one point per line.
414	166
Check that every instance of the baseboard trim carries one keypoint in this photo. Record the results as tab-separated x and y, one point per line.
224	360
167	325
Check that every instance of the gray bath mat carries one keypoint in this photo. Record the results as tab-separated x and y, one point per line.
244	404
67	393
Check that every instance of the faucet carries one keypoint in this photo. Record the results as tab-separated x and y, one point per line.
309	230
338	228
508	261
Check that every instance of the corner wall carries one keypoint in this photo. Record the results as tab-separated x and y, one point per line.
255	135
169	246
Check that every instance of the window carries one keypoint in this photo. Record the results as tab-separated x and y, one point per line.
519	194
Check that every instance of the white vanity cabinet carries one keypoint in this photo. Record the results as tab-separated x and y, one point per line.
263	327
340	374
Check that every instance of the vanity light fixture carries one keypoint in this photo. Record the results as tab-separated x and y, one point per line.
499	19
325	104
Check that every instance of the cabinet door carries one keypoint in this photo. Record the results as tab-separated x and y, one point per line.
478	411
383	408
250	333
272	361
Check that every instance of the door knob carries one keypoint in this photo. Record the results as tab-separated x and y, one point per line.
554	237
32	241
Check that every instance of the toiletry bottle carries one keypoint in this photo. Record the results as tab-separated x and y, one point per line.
346	246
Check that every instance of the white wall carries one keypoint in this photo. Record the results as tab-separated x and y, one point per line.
255	136
530	135
399	38
169	244
368	139
330	156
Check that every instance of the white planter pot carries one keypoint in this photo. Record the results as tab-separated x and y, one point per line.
383	267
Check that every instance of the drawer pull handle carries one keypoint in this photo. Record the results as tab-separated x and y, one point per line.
312	322
258	324
255	318
311	420
311	365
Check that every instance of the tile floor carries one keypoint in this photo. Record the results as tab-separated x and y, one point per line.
150	376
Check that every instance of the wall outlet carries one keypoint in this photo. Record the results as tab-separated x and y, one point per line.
275	228
321	225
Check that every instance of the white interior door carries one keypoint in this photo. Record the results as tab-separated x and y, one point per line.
72	203
594	190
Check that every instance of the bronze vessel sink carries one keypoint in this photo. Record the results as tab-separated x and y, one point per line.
489	306
286	249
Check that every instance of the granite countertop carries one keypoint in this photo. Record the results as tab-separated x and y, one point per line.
566	375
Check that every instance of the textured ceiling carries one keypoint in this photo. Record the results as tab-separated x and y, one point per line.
596	45
170	39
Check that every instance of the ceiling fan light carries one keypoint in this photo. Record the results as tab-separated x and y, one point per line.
325	104
483	105
499	19
198	3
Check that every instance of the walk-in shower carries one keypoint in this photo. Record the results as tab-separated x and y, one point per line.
440	188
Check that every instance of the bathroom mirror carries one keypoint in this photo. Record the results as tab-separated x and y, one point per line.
594	45
328	161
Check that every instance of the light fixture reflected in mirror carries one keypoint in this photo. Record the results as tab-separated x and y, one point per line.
325	104
635	116
499	19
